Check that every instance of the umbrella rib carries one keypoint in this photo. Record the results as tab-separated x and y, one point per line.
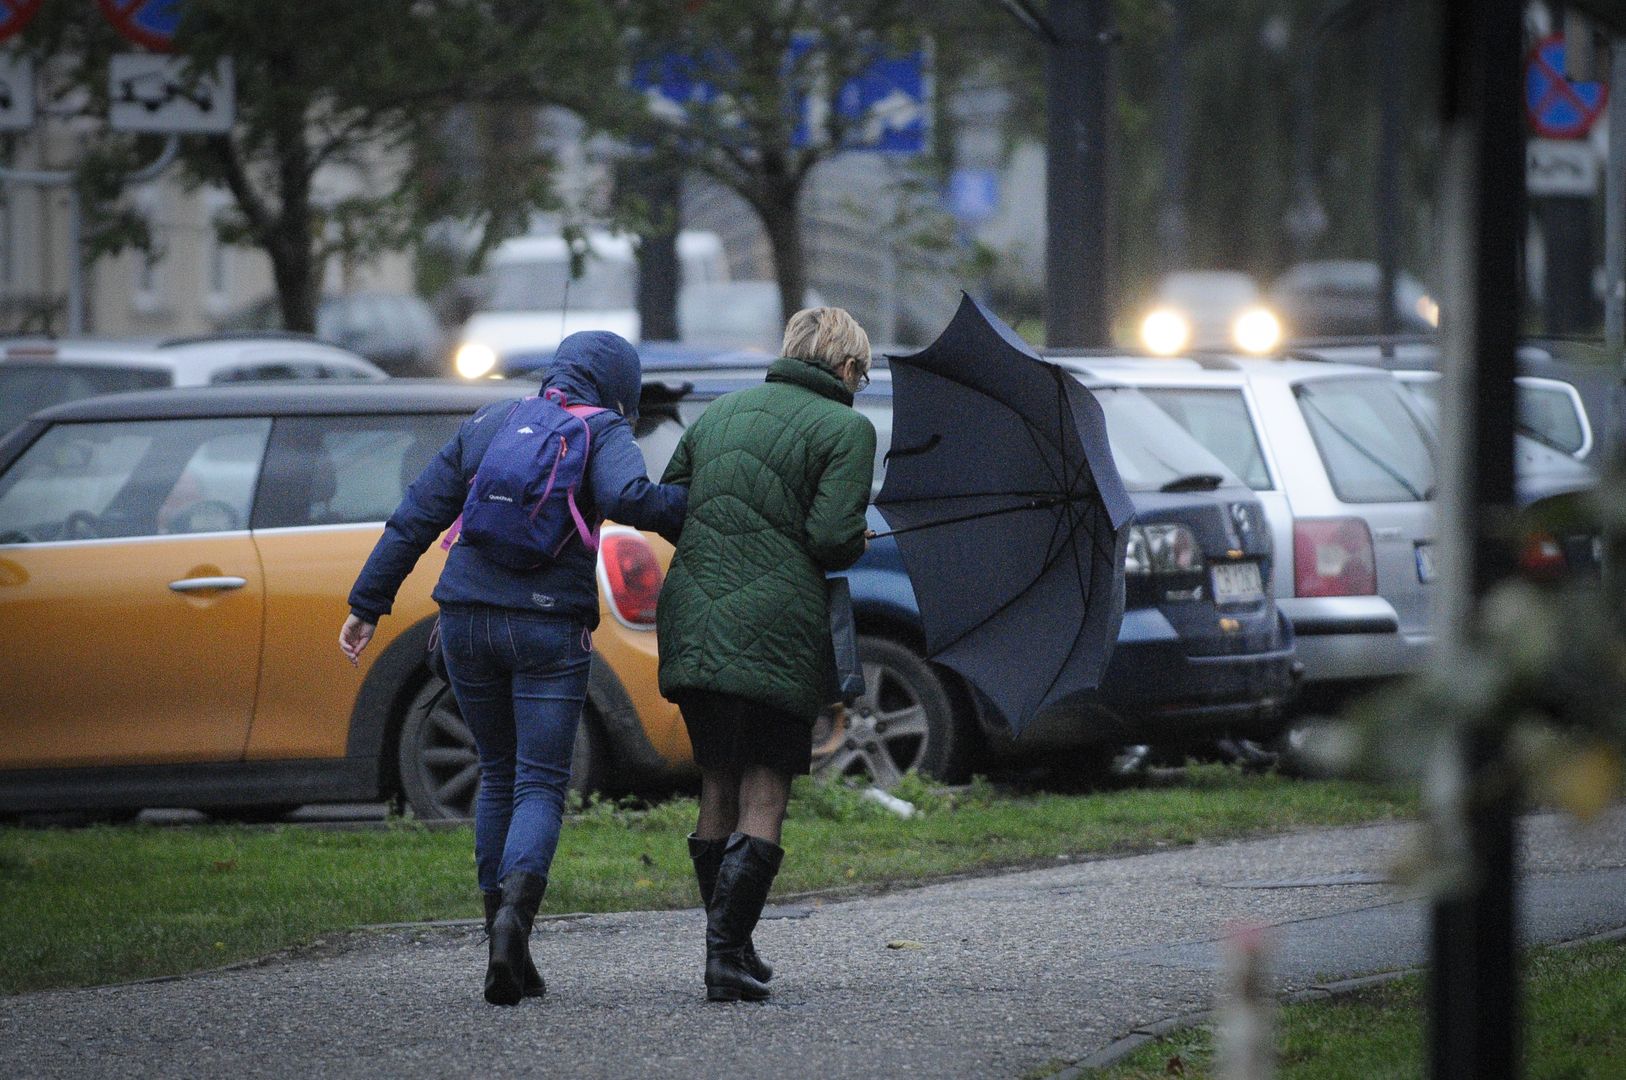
1032	431
1079	633
1050	561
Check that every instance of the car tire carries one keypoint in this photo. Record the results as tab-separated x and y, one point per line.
592	766
906	719
440	768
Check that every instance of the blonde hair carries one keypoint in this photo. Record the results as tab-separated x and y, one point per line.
826	336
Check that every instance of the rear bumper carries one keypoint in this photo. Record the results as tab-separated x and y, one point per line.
1154	692
1353	638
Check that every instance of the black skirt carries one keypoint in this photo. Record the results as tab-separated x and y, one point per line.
729	733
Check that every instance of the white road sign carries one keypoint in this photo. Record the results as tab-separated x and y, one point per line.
16	92
1560	167
153	93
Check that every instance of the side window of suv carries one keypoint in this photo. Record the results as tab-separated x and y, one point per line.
345	470
135	478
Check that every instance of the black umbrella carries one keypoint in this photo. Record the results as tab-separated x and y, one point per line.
1009	513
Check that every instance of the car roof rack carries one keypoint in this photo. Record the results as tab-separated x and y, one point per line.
241	335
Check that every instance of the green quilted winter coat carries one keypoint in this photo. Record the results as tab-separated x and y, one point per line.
779	477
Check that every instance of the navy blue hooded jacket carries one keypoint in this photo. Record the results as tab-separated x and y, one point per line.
594	367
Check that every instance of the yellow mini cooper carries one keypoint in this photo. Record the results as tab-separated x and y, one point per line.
173	574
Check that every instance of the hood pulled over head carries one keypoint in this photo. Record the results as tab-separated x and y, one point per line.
596	367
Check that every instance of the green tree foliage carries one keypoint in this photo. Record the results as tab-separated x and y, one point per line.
363	87
746	136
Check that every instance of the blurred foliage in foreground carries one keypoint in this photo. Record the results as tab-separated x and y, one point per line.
1541	676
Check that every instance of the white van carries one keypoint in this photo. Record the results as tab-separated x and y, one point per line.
532	303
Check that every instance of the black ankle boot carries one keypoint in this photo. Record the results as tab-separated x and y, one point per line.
535	985
511	936
744	877
707	856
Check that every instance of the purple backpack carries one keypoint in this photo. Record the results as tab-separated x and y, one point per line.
521	509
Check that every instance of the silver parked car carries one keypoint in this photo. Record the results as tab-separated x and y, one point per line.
1344	465
39	372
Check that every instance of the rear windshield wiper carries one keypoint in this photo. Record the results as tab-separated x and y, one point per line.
1194	482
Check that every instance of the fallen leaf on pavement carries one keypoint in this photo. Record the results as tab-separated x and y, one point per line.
903	943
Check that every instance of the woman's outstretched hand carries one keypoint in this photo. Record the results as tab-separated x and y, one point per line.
353	638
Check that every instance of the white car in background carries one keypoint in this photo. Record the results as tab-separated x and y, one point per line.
38	372
530	300
1344	466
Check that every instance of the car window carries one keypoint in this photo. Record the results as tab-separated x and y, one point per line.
344	371
539	285
137	478
1219	419
269	372
1374	447
1149	448
346	470
1549	413
25	389
658	435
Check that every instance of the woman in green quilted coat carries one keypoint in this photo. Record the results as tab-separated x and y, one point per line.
779	477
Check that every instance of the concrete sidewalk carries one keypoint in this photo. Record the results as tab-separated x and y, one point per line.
998	975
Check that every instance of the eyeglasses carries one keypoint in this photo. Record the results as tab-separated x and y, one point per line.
863	376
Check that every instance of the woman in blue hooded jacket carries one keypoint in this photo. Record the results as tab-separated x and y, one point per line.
517	642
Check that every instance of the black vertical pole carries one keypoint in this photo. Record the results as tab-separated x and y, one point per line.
1172	223
1390	45
1079	99
1474	993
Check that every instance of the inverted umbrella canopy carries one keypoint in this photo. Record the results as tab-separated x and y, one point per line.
1010	514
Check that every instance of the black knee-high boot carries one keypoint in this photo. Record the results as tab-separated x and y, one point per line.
511	937
535	985
744	877
707	856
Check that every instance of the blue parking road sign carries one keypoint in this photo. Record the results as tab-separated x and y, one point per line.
886	106
1556	107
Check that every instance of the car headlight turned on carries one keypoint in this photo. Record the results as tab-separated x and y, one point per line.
1165	332
1257	331
474	360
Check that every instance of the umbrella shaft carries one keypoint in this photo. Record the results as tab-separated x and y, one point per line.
1036	504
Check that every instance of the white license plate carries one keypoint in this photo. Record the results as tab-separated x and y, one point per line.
1236	583
1425	563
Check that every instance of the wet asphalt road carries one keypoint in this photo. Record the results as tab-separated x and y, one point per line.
996	975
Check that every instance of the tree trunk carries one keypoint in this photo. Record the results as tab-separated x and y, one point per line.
781	217
657	185
298	279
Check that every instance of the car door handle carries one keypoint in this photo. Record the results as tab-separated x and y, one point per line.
207	584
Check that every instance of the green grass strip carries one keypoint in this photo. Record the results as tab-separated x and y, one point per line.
107	904
1575	1028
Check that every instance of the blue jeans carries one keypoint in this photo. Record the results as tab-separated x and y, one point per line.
520	681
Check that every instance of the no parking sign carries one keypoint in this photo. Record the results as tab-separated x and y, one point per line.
1556	107
149	23
16	14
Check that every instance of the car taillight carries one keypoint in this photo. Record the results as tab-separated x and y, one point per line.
1542	557
1162	549
632	576
1333	557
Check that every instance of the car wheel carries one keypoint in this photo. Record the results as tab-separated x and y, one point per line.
591	765
904	720
440	769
